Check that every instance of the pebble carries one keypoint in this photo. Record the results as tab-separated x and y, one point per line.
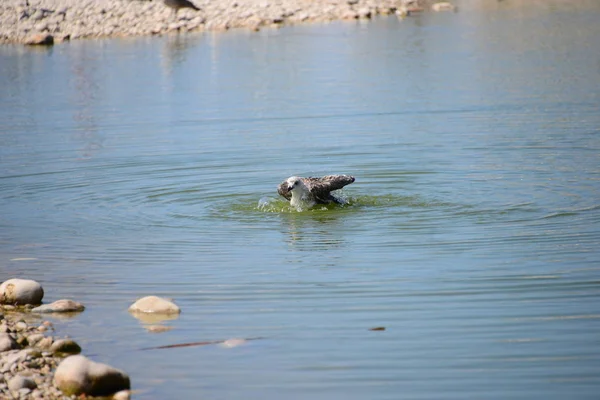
36	21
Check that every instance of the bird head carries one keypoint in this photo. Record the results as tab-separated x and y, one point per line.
293	183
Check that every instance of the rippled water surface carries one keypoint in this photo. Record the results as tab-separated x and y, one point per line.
131	167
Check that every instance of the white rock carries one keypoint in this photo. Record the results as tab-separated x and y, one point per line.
34	338
64	305
230	343
122	395
443	6
21	291
77	375
19	382
154	304
7	342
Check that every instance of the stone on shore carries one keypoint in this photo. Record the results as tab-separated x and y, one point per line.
21	291
52	21
443	6
77	375
19	382
40	39
64	305
7	342
122	395
65	346
155	305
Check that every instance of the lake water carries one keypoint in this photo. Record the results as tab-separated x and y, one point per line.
131	167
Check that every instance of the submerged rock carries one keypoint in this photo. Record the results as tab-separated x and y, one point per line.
154	304
64	305
77	375
20	292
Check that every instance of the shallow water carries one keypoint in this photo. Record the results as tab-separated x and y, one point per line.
137	166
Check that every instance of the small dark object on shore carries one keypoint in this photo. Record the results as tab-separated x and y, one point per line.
176	5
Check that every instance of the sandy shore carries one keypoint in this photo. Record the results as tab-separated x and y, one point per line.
22	20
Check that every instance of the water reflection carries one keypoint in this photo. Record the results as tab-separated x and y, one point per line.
86	97
313	230
175	50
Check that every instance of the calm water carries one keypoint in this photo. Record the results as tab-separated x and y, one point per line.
135	167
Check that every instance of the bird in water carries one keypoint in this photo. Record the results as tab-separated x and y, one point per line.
304	193
176	5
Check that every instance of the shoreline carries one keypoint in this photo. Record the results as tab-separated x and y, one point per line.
55	21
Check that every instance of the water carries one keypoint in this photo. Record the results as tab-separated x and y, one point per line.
137	166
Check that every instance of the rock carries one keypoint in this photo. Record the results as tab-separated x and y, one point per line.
230	343
19	382
40	39
364	13
402	12
38	15
21	291
64	305
45	343
65	346
443	6
154	304
34	338
15	358
20	326
78	375
7	342
122	395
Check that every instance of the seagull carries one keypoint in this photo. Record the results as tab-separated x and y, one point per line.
306	192
175	5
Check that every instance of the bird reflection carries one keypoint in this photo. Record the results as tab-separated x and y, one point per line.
313	230
175	50
86	93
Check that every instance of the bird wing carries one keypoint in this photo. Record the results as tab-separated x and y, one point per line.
321	187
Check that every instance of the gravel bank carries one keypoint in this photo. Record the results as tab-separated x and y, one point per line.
28	357
23	21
